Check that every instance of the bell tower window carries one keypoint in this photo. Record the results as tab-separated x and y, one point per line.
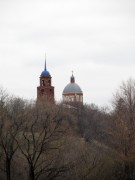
43	83
42	91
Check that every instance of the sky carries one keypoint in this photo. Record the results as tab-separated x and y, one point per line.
95	39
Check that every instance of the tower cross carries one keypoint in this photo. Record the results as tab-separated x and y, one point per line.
72	72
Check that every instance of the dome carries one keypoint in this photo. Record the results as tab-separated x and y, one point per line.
45	73
72	88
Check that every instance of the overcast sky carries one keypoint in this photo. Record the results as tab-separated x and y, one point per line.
94	38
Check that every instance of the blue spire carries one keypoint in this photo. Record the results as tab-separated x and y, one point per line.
45	61
45	72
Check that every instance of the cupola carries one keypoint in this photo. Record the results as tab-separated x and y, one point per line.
72	92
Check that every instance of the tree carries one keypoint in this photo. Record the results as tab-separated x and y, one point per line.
11	119
123	129
40	141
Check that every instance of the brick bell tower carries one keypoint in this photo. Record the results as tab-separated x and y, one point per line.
45	90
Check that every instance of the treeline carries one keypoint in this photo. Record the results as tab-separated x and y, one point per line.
42	141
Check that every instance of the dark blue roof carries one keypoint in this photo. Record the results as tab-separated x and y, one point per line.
45	73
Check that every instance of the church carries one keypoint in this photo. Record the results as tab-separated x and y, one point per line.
72	92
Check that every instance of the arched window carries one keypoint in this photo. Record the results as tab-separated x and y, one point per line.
43	83
42	91
81	98
77	98
49	82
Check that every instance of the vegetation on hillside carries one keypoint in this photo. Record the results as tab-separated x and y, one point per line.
43	141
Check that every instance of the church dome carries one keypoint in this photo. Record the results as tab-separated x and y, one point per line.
72	93
45	73
72	88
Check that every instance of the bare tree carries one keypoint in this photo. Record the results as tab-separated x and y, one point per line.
123	128
11	120
40	141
